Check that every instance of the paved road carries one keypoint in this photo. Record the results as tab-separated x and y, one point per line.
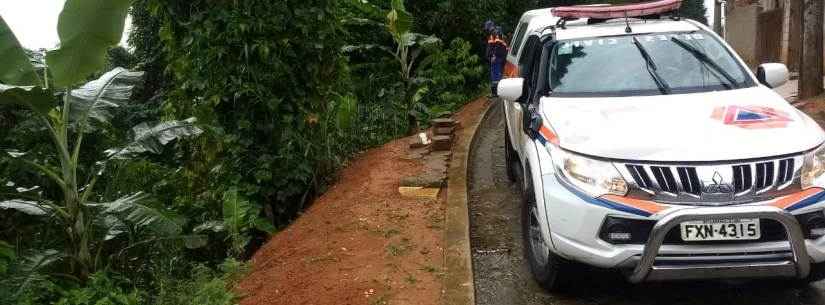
502	277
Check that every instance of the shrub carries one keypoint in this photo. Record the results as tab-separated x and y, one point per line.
456	73
266	79
204	287
102	289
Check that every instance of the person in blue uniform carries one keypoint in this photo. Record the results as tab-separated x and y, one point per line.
497	56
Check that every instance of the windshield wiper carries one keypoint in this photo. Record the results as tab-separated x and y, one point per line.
702	57
651	68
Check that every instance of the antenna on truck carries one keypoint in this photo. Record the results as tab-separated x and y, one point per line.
627	22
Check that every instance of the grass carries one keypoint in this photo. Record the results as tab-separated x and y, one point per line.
411	279
435	271
435	220
380	300
400	248
391	232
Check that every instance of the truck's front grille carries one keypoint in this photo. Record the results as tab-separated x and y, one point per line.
690	180
640	176
665	179
764	175
742	178
785	171
713	183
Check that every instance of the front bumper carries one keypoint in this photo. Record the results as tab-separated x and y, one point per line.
798	264
574	225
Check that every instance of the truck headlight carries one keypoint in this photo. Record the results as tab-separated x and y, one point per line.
814	167
593	177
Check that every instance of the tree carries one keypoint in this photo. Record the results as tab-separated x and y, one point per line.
795	38
694	9
68	112
811	70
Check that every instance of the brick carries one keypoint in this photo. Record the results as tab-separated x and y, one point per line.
443	122
442	143
444	131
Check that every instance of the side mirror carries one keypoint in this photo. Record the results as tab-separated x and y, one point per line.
772	74
511	89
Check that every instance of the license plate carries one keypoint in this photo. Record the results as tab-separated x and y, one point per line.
721	229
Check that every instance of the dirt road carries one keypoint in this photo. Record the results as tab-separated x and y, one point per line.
502	277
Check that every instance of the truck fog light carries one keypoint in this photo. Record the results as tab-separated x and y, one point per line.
816	225
818	232
618	233
813	224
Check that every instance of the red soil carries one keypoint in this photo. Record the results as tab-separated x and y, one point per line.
359	243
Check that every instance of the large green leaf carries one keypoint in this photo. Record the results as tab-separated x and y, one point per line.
27	207
215	226
87	29
152	138
236	211
39	100
130	210
114	227
15	66
194	241
399	20
97	98
346	113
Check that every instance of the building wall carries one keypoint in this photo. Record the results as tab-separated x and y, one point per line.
741	31
742	28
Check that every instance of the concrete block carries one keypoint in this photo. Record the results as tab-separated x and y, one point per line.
420	140
430	179
419	192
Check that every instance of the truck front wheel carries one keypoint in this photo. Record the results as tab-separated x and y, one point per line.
549	270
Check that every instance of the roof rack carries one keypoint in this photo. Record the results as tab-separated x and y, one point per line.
617	11
604	12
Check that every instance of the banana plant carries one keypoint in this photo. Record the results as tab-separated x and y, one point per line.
407	49
70	111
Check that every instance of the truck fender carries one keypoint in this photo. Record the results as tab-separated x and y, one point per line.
539	161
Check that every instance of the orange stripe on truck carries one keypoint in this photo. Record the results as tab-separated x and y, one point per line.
549	135
511	70
789	200
644	205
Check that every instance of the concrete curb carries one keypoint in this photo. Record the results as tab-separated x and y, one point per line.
458	280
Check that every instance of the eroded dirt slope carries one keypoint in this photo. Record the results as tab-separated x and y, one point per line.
359	243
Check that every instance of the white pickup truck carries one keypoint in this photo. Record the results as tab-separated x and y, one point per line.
647	145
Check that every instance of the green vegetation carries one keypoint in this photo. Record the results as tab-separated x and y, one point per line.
147	175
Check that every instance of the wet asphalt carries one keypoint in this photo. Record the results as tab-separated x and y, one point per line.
501	272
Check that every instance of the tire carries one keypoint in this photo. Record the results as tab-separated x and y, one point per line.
549	270
817	274
510	157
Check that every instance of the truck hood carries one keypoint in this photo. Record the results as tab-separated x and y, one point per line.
712	126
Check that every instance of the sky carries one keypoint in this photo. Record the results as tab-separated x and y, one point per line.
709	6
34	22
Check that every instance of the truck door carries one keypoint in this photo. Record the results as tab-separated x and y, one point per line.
515	117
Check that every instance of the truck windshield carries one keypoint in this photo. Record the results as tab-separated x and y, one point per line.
640	64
